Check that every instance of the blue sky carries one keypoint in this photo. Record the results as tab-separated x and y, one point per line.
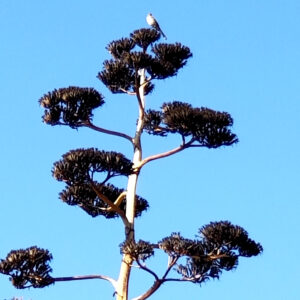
246	61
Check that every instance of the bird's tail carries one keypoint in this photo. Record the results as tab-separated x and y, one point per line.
165	37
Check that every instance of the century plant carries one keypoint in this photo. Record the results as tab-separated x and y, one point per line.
137	61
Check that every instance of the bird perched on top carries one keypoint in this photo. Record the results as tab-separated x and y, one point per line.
153	23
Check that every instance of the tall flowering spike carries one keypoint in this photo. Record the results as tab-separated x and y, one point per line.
86	172
70	106
145	37
28	267
85	197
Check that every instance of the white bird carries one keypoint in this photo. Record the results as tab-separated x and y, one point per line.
153	23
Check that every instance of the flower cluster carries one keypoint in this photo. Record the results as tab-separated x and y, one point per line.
204	126
121	74
28	267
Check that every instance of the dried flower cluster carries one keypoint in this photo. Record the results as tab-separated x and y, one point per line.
205	127
120	74
70	106
28	267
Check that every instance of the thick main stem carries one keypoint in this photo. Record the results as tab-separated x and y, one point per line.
123	280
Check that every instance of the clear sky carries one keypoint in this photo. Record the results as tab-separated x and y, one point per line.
246	61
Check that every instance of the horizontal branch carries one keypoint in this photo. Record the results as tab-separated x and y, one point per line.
183	146
183	279
147	270
164	154
86	277
107	131
158	281
156	285
161	155
127	92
